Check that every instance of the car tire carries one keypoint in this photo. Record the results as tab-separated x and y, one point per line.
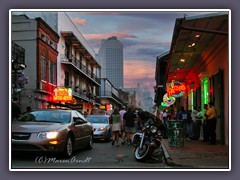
68	150
90	143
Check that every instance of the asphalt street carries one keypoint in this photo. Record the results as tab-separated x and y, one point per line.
103	156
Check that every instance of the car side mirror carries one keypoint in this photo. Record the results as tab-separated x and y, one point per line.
77	120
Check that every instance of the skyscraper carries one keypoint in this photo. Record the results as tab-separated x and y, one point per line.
111	55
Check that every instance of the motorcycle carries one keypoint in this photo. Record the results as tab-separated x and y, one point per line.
148	140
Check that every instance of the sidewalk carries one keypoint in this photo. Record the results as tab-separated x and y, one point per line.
198	155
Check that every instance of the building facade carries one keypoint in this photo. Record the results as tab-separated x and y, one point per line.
111	55
40	43
199	60
57	56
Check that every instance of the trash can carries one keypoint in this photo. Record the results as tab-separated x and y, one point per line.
175	133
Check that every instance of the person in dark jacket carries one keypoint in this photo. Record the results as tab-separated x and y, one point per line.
16	110
184	116
128	121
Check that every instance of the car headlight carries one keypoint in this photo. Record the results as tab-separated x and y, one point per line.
48	135
153	129
101	129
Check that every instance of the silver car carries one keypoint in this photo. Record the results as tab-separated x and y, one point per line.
101	126
52	130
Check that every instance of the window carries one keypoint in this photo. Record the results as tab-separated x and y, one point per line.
43	37
66	81
52	73
43	69
52	44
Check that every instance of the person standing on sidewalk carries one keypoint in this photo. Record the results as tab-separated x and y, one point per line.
165	121
194	114
198	123
204	125
128	118
211	114
183	116
16	110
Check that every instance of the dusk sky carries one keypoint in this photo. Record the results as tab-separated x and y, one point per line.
145	35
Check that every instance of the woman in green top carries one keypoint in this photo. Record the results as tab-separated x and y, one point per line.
116	125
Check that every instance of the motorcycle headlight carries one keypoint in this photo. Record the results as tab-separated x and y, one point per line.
153	129
48	135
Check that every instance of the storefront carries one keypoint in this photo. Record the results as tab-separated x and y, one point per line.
199	58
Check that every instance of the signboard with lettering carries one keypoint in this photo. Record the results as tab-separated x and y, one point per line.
176	89
108	107
62	94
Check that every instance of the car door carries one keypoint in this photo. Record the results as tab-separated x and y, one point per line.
78	130
86	130
82	128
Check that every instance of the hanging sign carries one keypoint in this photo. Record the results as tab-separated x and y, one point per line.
109	107
176	89
169	100
62	94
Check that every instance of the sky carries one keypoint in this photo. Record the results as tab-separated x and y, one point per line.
144	35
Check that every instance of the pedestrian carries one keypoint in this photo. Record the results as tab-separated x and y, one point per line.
129	124
183	116
116	125
173	115
198	123
28	109
204	125
190	124
211	114
122	112
165	122
193	122
16	110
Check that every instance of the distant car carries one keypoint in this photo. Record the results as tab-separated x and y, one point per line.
101	126
52	130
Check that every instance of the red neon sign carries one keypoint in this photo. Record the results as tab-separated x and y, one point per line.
176	89
62	94
108	107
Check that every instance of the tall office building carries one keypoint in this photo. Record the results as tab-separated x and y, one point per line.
111	58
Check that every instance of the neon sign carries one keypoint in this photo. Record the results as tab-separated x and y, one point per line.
169	100
62	94
176	89
108	107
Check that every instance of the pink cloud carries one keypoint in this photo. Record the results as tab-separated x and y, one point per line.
139	71
79	21
107	35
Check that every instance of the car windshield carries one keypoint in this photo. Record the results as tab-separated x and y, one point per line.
97	119
46	116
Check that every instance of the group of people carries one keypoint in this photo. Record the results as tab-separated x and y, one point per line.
123	124
195	121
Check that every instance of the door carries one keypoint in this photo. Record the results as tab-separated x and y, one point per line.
217	96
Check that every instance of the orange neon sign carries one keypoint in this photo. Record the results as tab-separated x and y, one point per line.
62	94
176	89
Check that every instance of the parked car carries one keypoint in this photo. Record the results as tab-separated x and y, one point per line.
52	130
101	126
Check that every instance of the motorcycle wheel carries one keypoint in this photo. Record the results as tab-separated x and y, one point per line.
142	154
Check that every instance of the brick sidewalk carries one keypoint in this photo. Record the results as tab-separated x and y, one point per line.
198	155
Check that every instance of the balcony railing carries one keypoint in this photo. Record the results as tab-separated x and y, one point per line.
80	66
110	95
